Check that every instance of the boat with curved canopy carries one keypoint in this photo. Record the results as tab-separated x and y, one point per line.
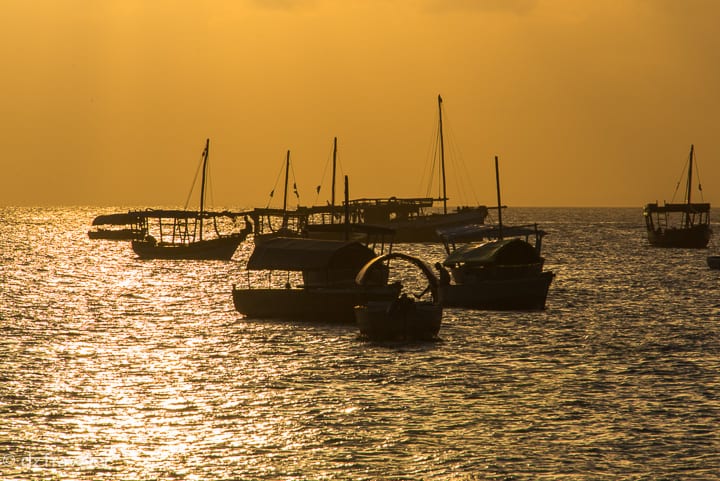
403	317
494	267
499	274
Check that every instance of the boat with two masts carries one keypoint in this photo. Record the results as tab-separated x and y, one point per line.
417	219
189	234
683	225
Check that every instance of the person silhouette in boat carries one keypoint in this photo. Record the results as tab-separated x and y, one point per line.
444	274
402	306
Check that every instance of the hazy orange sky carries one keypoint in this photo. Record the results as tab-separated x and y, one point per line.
587	103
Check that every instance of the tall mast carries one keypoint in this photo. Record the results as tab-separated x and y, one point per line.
287	171
497	182
206	153
442	155
688	191
332	199
347	209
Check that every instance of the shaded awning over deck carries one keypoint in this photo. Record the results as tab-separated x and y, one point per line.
301	254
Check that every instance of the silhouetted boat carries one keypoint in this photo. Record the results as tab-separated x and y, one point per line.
272	222
685	225
328	291
128	230
414	219
503	272
713	262
400	318
186	238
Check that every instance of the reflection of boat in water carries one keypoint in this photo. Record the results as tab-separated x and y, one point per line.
127	230
326	290
182	233
503	271
685	225
400	318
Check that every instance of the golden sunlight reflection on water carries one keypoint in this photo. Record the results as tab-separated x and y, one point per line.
117	368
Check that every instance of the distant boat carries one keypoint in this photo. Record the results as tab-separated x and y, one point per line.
127	231
182	232
500	274
401	318
685	225
328	292
414	219
503	272
272	222
713	262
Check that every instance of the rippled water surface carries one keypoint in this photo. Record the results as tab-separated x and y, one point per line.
116	368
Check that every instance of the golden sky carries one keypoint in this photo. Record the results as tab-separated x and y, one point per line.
586	102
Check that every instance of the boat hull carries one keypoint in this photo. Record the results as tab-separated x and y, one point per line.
219	248
695	237
333	305
424	228
116	234
384	321
713	262
525	293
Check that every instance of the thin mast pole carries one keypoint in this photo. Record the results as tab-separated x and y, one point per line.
689	186
287	171
332	200
347	209
497	183
442	155
206	154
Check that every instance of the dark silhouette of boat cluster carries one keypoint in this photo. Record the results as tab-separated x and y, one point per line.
343	254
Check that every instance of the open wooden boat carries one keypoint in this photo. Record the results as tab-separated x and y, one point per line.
402	317
181	234
684	225
123	226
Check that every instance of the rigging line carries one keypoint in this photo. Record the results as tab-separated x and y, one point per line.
277	179
697	173
192	186
295	190
462	181
431	158
680	181
322	178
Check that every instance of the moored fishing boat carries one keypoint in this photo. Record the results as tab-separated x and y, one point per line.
414	219
123	227
319	280
683	225
186	234
402	317
494	267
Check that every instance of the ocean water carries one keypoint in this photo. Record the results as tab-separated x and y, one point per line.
115	368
